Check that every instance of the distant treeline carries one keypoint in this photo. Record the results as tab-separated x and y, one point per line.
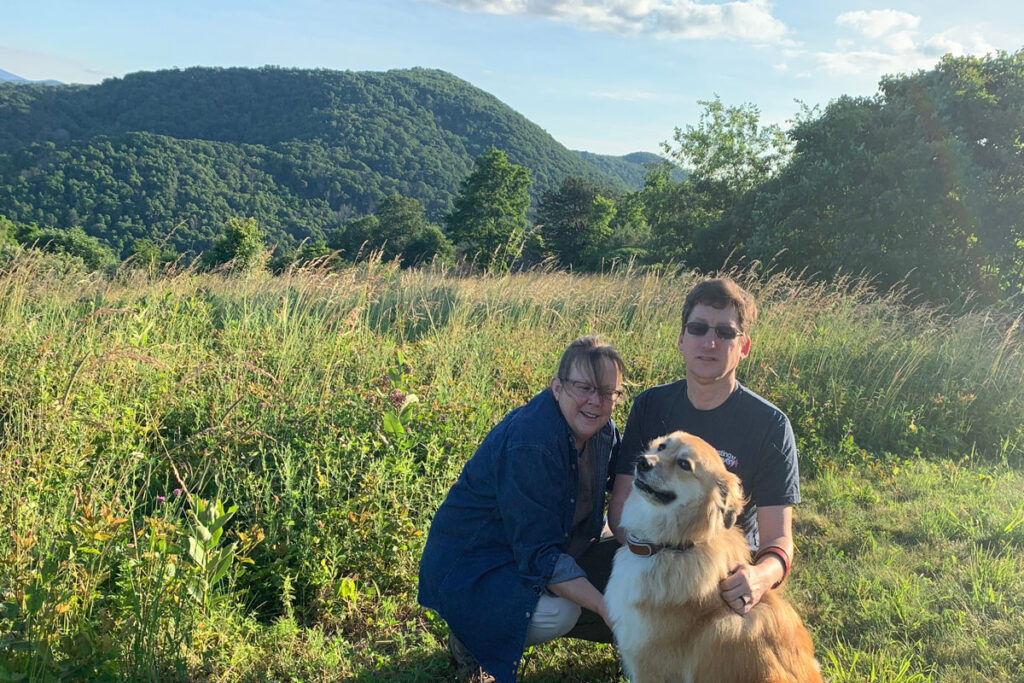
921	185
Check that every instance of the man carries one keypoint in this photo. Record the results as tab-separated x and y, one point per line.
753	436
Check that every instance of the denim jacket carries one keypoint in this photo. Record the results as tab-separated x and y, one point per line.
499	537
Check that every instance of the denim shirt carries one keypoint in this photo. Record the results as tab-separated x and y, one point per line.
499	537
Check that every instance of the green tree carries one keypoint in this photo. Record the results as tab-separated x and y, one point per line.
630	231
241	245
575	222
488	221
728	154
398	229
73	242
148	254
7	230
405	232
920	185
729	147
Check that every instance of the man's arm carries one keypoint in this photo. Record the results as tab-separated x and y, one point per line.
775	527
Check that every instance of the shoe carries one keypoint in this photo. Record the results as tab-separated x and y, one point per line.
469	671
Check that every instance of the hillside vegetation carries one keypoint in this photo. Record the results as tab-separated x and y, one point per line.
229	478
920	186
299	150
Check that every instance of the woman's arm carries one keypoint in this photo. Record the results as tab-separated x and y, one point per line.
621	487
584	594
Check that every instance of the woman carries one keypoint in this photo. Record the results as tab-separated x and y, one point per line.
500	559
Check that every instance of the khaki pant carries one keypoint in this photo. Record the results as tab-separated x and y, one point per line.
555	617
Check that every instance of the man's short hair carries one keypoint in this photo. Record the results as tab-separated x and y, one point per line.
721	292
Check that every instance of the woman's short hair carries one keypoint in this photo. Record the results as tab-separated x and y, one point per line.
721	292
589	351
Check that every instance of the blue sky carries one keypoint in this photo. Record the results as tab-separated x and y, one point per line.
606	76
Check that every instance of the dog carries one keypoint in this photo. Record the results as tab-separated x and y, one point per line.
670	621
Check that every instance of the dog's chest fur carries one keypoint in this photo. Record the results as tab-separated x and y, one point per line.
653	599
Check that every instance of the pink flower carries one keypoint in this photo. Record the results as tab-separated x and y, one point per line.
161	499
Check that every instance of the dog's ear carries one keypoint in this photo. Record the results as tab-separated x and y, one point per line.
731	500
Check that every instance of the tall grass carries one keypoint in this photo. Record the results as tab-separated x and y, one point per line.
334	409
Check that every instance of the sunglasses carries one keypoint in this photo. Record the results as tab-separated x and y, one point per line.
725	332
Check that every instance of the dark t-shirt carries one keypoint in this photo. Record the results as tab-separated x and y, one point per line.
753	437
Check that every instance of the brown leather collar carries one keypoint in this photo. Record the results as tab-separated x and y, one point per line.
645	549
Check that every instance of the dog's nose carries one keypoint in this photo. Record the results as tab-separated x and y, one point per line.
645	463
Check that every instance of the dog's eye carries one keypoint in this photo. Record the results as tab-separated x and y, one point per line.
662	446
686	464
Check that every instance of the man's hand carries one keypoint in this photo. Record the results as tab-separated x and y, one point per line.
744	586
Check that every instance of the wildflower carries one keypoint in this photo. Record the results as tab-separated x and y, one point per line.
161	499
177	492
215	461
397	398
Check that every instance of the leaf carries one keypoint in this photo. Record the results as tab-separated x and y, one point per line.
197	552
411	400
203	532
223	519
49	570
223	564
347	589
393	425
34	601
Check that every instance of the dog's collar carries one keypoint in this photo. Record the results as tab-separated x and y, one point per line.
645	549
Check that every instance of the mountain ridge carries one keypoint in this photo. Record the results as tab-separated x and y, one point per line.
330	143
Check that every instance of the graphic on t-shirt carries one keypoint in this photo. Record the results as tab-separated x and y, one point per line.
730	460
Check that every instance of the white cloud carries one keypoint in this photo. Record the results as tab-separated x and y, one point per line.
673	19
862	62
973	44
889	41
877	23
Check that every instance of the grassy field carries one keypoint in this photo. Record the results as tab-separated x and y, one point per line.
224	478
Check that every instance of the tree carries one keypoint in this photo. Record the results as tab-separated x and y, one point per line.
405	232
920	185
729	147
575	222
73	242
241	245
630	232
398	229
148	254
488	221
729	154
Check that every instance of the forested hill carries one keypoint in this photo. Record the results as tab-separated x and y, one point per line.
301	150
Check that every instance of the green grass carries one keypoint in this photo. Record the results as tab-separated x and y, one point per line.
334	410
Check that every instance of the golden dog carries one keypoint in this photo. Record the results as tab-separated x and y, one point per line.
671	623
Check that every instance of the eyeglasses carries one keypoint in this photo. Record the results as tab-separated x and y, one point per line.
586	390
724	332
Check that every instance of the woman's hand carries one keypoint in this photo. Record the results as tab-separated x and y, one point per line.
606	616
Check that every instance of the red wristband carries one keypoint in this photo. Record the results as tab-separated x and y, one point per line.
779	553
